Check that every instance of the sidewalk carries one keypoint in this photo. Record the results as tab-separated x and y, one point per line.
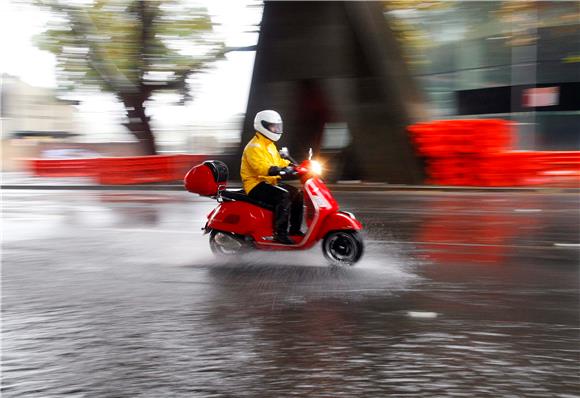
25	181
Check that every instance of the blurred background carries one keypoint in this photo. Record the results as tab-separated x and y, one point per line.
390	91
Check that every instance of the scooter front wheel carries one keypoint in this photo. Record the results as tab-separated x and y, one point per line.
343	247
225	244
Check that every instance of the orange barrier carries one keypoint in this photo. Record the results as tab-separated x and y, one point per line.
64	167
145	169
454	138
182	163
558	168
476	153
119	171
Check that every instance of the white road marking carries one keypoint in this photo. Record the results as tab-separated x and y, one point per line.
528	210
567	244
422	314
396	242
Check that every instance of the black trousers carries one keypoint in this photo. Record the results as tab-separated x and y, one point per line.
288	205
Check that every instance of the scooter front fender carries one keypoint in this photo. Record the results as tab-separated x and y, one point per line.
339	221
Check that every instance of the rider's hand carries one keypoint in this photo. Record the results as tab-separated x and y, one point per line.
288	173
284	172
287	170
274	171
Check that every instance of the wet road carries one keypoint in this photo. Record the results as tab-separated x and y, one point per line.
112	294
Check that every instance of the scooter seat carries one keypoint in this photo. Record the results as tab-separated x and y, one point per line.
239	194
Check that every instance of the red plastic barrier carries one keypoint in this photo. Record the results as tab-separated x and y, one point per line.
134	170
63	168
558	168
183	163
450	138
476	153
119	171
145	169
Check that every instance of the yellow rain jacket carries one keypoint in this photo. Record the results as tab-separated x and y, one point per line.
259	155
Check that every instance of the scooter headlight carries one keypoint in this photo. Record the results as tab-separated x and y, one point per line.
316	167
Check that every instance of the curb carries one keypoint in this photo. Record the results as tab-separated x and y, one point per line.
93	187
446	188
334	187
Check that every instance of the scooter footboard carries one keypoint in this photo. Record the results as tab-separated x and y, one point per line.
339	221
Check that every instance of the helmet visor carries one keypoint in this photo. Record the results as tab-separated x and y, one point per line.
275	128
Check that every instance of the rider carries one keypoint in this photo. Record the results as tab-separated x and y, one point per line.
262	169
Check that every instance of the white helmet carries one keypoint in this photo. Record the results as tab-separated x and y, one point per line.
269	123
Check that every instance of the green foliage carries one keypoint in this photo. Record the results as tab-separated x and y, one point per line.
128	46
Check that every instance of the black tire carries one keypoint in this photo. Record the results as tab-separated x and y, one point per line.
343	247
225	244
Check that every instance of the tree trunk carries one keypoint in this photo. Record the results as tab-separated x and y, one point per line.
138	123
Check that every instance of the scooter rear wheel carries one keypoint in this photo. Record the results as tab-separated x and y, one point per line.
225	244
343	247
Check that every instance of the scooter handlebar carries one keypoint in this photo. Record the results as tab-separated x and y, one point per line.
289	173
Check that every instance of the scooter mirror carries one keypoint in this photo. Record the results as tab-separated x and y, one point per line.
309	153
285	153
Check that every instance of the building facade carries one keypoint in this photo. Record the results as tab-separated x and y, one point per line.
29	111
512	60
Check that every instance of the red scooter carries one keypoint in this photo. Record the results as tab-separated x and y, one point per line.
240	223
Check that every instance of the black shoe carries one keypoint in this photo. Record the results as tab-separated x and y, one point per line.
297	233
284	239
